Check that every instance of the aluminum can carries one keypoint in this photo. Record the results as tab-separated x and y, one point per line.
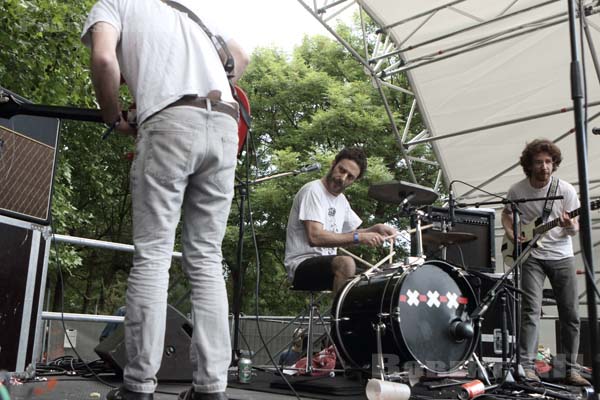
244	370
471	389
587	393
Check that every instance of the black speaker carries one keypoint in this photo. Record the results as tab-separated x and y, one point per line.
175	366
490	346
27	163
479	254
24	252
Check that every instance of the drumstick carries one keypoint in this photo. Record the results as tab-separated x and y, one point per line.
355	257
408	231
384	259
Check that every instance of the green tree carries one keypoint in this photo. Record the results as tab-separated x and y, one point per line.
306	107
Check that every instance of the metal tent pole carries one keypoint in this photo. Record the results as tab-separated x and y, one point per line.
585	232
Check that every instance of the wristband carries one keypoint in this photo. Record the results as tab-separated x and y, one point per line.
355	237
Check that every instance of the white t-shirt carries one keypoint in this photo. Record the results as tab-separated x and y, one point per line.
162	53
314	203
556	243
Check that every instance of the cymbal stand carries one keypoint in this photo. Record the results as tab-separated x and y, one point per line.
419	232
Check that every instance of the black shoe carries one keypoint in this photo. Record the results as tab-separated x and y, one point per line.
121	393
191	395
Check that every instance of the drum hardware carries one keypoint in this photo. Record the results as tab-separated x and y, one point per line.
414	261
481	368
379	329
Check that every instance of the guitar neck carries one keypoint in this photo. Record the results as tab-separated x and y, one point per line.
572	214
551	224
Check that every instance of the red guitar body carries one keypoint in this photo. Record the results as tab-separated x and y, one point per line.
245	113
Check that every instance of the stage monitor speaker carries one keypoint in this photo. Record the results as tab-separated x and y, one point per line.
490	346
176	364
27	163
24	253
479	254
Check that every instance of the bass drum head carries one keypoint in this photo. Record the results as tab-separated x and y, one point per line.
429	299
417	306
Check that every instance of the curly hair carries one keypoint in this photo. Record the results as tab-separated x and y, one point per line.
536	147
356	154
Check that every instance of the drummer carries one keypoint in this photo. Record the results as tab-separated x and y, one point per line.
321	220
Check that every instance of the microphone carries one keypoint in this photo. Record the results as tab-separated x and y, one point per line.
460	330
451	205
308	168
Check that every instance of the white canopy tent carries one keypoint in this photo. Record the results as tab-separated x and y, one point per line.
487	77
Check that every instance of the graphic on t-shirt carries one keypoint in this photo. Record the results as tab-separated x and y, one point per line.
331	224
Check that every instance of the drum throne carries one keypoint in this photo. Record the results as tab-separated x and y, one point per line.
315	291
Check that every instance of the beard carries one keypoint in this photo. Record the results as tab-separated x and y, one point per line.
541	176
334	185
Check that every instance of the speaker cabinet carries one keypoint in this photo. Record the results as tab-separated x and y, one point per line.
479	254
27	163
24	252
175	366
490	346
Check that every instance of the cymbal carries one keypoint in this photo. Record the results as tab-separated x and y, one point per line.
440	238
398	191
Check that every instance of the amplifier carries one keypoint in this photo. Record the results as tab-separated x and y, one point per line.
27	162
479	254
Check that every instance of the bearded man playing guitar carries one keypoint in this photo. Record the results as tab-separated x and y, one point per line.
552	258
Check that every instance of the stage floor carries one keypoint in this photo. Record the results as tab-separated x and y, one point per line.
264	386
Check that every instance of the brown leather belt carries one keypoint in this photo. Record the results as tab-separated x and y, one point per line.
230	109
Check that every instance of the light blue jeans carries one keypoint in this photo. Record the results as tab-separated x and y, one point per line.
185	159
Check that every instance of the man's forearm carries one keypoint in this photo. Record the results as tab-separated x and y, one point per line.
331	239
106	79
506	220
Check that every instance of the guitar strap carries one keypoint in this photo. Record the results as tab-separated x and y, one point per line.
549	203
216	40
219	43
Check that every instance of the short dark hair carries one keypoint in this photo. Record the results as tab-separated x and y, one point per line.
356	154
536	147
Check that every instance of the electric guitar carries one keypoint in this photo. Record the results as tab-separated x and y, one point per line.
12	104
531	230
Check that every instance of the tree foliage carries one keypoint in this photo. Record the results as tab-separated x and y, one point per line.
306	107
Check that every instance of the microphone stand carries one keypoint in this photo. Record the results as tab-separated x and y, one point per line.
585	233
238	273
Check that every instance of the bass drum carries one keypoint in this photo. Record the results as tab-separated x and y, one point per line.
418	307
